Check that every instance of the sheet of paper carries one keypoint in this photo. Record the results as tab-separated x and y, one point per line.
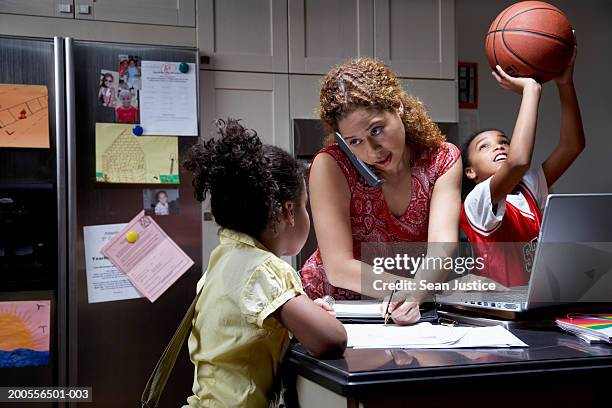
153	262
426	335
357	309
105	282
168	99
122	157
24	116
25	328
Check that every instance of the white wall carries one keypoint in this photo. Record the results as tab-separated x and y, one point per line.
592	20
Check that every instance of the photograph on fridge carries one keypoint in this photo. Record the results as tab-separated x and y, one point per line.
107	88
161	201
129	70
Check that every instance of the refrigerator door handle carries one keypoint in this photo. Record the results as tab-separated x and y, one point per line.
60	157
71	188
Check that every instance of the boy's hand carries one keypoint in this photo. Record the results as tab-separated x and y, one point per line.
325	306
518	85
567	77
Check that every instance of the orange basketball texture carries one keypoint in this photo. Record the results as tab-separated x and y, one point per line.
530	39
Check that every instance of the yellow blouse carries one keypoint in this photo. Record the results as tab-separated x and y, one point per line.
234	346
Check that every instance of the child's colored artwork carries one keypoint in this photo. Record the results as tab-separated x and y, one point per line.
25	328
24	116
122	157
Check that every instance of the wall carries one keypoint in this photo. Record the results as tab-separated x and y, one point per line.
592	20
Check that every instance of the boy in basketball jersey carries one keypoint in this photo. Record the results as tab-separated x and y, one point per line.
504	198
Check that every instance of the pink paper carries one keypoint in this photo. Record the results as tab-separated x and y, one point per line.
152	263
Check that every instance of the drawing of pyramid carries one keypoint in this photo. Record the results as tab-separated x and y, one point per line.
124	160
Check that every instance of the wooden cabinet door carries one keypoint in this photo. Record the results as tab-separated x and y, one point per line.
158	12
240	35
324	33
45	8
416	38
260	100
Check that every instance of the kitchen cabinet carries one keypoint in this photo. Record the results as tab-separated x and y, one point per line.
324	33
45	8
156	12
416	38
260	100
242	35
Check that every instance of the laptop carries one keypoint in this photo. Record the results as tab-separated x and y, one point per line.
572	261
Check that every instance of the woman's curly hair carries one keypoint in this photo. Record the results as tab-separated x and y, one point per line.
367	83
248	181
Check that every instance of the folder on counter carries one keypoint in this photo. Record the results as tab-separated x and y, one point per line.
588	325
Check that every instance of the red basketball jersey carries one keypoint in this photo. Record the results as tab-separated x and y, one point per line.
517	219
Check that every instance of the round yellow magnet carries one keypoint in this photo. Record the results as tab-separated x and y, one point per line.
131	237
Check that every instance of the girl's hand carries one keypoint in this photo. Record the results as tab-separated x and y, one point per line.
567	77
325	306
403	312
517	85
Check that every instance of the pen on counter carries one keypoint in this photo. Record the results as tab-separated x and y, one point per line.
387	315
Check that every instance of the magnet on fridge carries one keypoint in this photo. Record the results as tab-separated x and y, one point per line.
131	237
183	67
137	130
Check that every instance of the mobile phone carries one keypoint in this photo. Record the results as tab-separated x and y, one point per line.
361	167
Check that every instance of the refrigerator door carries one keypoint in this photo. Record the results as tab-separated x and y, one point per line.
115	345
32	216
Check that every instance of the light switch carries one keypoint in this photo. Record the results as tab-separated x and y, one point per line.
65	8
84	9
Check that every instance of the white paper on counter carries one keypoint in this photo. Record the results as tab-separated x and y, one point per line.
168	99
428	336
105	282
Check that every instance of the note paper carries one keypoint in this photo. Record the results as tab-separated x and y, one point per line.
104	281
428	336
168	99
153	262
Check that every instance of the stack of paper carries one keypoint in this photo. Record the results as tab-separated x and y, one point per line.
428	336
588	326
358	309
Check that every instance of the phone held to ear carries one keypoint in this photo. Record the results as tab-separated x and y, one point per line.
361	167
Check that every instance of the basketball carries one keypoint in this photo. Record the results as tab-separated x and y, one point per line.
530	39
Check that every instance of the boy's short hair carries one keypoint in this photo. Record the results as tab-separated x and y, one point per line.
468	185
125	92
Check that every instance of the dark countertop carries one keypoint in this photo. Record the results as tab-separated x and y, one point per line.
552	357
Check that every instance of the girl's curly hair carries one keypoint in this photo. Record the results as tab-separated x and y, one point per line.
248	181
367	83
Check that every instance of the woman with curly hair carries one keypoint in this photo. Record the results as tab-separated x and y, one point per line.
419	200
250	298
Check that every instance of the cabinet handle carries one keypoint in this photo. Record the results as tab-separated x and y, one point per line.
84	9
65	8
208	216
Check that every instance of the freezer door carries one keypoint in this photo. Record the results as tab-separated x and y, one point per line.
32	265
115	345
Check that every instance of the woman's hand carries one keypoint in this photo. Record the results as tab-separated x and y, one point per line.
325	306
517	85
403	312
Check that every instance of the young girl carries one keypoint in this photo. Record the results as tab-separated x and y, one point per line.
106	92
251	299
506	199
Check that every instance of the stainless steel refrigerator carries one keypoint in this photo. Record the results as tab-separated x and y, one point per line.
110	346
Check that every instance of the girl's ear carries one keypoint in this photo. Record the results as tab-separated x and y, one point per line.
289	212
470	173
